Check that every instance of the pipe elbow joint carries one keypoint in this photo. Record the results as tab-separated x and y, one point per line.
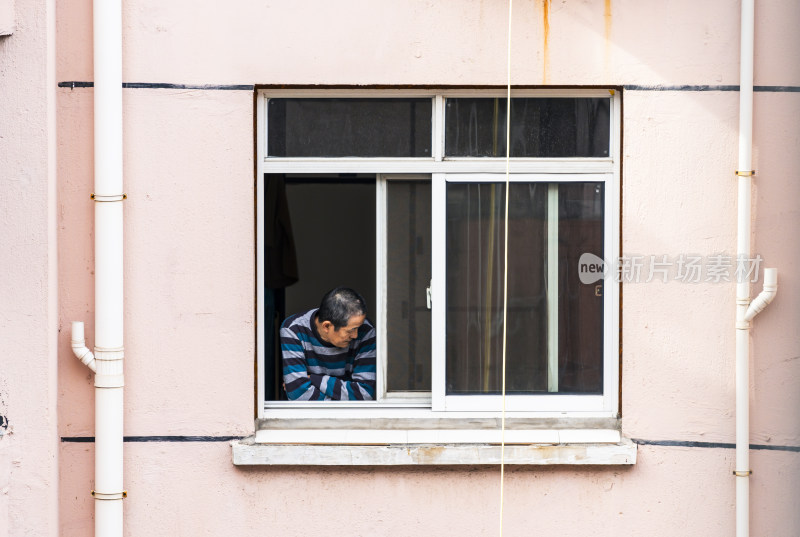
83	354
766	295
79	347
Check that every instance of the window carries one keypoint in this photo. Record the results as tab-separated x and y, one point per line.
402	194
353	127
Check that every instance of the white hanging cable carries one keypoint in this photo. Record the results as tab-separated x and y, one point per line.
505	270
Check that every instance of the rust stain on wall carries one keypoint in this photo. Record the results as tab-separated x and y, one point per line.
428	454
545	39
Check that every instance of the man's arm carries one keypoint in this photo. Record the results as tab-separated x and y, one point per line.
362	385
296	379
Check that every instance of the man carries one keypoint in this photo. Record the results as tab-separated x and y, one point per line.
329	352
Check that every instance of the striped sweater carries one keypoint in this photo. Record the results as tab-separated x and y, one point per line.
314	370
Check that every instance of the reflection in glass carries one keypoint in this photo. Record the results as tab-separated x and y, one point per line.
474	310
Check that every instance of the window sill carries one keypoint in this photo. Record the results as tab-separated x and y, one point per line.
432	447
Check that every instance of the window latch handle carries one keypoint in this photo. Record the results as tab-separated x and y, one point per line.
428	296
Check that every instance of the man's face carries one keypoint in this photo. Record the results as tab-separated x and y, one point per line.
344	335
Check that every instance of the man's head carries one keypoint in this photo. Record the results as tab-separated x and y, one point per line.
340	315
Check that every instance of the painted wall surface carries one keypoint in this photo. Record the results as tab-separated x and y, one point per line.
29	327
189	260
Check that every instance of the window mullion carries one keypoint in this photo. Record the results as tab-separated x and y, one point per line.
381	283
438	128
552	287
260	321
438	288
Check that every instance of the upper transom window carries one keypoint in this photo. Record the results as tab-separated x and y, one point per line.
352	127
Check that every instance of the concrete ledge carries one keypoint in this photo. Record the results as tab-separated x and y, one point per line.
249	453
372	437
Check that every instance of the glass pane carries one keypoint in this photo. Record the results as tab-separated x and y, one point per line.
580	306
349	127
474	329
551	127
408	275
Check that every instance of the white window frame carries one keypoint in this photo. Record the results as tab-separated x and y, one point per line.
544	403
441	169
409	399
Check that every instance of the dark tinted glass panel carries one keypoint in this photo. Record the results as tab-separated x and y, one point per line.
580	305
408	256
349	128
551	127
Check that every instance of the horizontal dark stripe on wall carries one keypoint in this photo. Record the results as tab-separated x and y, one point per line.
639	441
250	87
90	439
160	85
773	89
683	443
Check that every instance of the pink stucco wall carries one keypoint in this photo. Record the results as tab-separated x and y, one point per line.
189	262
29	444
675	491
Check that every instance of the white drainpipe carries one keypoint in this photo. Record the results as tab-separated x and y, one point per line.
745	311
108	195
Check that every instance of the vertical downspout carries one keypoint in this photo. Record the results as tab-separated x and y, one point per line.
108	195
744	173
745	310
